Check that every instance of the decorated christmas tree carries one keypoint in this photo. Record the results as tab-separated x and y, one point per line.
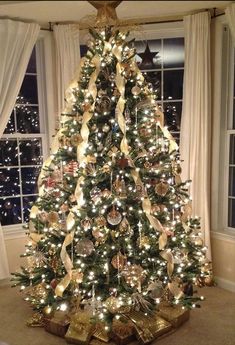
111	232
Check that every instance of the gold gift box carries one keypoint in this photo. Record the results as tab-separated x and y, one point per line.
58	324
122	332
80	329
174	314
100	333
148	326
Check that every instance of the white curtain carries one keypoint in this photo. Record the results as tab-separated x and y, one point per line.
67	45
16	43
195	137
230	16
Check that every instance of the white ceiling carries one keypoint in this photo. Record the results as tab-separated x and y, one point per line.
62	11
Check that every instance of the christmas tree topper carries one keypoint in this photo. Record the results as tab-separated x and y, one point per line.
106	11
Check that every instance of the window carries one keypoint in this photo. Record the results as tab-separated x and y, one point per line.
162	63
231	159
21	150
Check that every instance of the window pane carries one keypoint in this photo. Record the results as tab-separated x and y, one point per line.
10	211
173	84
232	181
27	118
32	63
149	59
83	50
232	149
8	153
9	182
154	78
173	52
231	213
27	204
172	115
30	152
10	128
29	89
29	180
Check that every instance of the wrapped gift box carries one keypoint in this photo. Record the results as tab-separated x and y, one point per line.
58	324
174	314
80	329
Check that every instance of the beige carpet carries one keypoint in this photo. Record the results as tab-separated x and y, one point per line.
213	324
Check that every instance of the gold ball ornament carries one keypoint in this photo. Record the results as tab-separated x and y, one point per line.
134	275
43	216
84	247
99	235
48	311
114	217
76	139
162	188
136	90
112	304
53	217
100	221
119	261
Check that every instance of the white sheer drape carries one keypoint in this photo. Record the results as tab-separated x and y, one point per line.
16	43
230	16
195	137
67	58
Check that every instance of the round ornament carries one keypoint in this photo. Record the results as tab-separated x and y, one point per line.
47	311
123	163
136	90
76	139
134	275
100	221
162	188
114	217
43	216
53	283
99	235
155	289
155	208
84	247
112	304
64	207
53	217
119	261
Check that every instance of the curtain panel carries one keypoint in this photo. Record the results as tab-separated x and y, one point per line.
195	137
67	44
17	40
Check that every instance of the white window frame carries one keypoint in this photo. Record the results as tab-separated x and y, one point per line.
47	110
222	99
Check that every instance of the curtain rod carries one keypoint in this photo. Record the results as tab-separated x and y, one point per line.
214	15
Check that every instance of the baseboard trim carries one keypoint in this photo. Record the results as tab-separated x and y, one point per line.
5	282
225	284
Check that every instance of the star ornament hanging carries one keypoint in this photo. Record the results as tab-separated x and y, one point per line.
147	58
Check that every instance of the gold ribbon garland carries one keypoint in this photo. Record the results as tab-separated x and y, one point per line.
67	264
